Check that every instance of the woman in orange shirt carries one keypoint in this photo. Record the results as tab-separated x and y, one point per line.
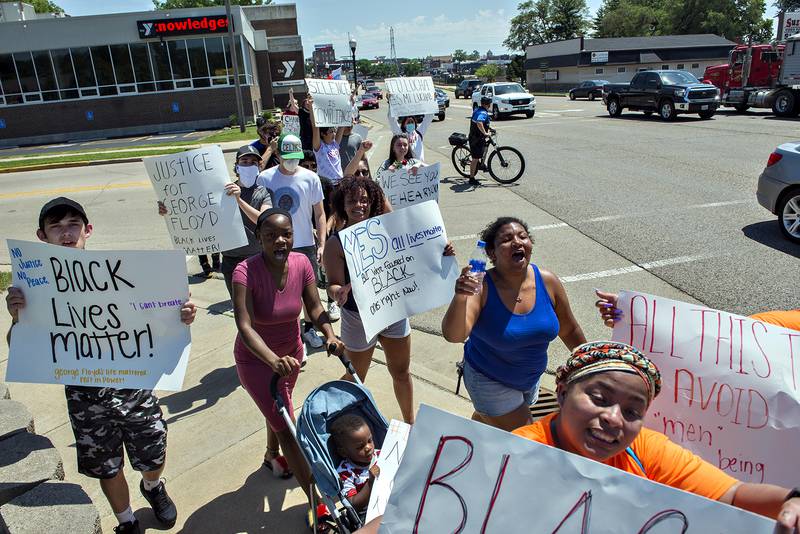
604	391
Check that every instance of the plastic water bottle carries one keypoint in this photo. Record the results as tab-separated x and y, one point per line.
477	263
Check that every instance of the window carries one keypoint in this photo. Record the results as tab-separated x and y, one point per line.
695	65
160	62
104	72
45	74
84	71
641	69
65	75
198	64
8	79
598	70
122	63
141	68
620	69
664	67
180	63
680	66
215	52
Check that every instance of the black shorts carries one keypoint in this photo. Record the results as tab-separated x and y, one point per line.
106	419
477	147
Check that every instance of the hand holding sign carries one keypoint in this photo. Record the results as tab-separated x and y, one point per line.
330	102
408	186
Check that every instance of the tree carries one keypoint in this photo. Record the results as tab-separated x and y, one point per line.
490	71
45	6
459	55
543	21
475	55
489	54
516	69
412	68
179	4
787	5
365	68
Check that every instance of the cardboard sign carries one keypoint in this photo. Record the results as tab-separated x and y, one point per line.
99	318
361	130
332	106
730	384
394	445
459	475
411	96
406	187
396	265
291	124
201	218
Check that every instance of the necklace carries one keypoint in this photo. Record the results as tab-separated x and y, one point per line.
519	299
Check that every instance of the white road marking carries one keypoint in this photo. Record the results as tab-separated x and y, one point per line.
162	137
636	268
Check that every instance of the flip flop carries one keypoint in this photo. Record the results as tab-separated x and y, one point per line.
279	467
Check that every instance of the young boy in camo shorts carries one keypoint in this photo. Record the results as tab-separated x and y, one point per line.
105	419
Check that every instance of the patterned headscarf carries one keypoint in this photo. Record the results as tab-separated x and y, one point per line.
602	356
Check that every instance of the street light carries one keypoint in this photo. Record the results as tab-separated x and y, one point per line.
355	72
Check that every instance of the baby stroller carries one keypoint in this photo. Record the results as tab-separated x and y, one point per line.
322	406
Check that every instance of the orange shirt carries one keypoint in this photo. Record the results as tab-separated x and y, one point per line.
663	461
788	319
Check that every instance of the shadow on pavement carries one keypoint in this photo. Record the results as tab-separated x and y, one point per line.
212	388
459	184
768	233
242	510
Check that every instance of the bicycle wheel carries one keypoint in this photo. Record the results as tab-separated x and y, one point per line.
461	159
507	166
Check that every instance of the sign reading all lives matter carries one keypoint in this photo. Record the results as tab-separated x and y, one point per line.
332	106
411	96
396	265
730	384
408	186
99	318
201	218
459	475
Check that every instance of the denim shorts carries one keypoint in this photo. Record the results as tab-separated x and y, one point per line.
354	337
492	398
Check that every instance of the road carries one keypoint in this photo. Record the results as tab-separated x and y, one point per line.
104	144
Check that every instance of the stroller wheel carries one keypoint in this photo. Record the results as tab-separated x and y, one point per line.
324	520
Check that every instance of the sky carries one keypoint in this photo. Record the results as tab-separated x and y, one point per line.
421	27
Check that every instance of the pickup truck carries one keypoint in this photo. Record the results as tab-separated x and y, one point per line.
666	92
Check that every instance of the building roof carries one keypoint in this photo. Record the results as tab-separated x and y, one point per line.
658	41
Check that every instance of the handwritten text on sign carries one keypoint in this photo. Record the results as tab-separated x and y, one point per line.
99	319
201	218
394	445
411	96
406	187
458	475
396	265
730	390
291	124
332	106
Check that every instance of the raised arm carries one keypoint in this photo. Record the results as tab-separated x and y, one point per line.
394	125
426	122
464	309
315	138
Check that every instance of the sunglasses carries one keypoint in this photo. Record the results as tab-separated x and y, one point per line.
362	173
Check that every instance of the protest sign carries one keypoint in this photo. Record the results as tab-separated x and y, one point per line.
201	218
394	445
459	475
408	186
361	130
396	265
99	319
411	96
291	124
332	106
730	384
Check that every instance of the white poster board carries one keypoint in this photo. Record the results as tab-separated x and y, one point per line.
99	318
291	124
791	24
361	130
459	475
201	218
394	445
332	106
730	384
408	186
396	265
411	96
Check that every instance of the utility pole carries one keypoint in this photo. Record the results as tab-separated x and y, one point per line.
235	61
392	50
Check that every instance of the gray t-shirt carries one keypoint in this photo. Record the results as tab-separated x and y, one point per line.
348	148
256	196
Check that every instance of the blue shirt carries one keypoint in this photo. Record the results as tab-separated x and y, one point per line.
479	115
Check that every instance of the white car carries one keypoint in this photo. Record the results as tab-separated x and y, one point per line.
507	98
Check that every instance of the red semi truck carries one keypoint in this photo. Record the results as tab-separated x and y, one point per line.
760	76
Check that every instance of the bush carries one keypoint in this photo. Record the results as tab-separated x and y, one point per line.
233	120
268	116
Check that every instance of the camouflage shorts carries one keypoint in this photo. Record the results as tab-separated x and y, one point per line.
103	420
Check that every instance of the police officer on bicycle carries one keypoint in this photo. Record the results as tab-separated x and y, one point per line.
479	136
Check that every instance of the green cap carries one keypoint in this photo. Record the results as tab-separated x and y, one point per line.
290	147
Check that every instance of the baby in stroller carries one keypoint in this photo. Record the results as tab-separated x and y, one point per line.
358	469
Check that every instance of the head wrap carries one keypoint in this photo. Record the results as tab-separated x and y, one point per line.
602	356
266	214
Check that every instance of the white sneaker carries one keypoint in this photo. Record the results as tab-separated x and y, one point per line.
313	339
333	311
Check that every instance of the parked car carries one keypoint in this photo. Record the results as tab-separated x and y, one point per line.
779	188
466	88
666	92
441	93
367	101
507	98
367	82
443	101
590	89
375	90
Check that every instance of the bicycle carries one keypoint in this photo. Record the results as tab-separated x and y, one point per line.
505	164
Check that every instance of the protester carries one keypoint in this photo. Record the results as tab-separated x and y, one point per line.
510	318
267	142
105	419
298	191
400	155
479	133
410	126
306	112
269	290
358	469
359	164
356	200
604	390
349	145
326	141
207	267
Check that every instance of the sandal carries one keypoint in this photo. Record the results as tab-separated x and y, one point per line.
279	467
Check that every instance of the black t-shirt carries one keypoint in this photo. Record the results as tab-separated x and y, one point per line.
255	196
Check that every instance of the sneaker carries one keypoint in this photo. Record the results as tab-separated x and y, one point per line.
207	270
129	527
311	337
163	507
333	311
216	265
473	181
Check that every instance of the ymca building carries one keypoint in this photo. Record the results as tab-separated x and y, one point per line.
66	78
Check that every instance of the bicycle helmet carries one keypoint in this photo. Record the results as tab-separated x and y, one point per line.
486	100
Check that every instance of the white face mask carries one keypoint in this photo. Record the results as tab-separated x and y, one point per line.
291	165
247	174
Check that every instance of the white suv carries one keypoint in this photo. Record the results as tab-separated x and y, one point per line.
507	98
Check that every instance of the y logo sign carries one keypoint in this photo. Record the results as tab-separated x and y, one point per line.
148	28
289	66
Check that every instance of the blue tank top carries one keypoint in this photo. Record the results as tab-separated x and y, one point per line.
511	348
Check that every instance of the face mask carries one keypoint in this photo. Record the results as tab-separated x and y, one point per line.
291	165
247	174
410	127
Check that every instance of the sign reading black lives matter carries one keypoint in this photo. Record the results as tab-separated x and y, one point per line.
201	218
99	319
332	106
411	96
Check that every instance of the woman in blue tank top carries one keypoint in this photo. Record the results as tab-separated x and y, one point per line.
508	321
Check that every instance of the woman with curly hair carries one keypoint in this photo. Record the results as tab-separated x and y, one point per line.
357	199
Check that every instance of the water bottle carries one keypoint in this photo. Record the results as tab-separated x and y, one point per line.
477	263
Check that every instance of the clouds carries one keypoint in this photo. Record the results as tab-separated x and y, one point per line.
419	36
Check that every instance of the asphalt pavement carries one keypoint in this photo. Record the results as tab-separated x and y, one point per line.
90	145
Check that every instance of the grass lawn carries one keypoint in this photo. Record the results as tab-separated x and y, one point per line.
231	134
22	164
5	280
